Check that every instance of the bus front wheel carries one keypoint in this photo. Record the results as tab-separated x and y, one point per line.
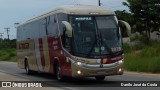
100	78
59	73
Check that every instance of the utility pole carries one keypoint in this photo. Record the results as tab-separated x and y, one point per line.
7	29
1	35
99	2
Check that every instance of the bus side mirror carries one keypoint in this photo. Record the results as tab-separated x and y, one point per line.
68	28
125	28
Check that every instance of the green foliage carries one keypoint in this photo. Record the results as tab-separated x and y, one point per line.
8	54
127	48
152	50
140	63
7	43
145	59
136	38
124	15
7	50
145	14
130	48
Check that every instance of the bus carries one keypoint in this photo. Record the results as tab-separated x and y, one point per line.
72	41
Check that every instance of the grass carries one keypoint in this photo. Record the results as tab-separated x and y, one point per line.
8	55
143	58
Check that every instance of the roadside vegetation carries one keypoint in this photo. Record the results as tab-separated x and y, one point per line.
142	57
8	50
8	54
142	54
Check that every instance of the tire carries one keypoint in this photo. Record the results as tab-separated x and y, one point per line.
58	72
28	71
100	78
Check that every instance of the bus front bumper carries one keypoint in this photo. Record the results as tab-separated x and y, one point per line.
90	70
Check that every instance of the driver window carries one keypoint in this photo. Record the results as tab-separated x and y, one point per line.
66	41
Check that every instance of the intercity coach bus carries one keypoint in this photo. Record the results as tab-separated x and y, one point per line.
72	41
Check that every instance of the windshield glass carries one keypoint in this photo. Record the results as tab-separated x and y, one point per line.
95	35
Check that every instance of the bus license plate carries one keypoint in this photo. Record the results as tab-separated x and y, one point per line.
101	72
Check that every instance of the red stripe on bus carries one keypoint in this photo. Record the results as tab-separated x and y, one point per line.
51	55
41	52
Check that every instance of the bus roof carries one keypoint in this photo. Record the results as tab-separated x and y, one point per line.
74	10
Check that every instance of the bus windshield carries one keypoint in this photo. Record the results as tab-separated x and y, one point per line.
95	36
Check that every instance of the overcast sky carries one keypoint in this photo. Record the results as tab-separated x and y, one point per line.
12	11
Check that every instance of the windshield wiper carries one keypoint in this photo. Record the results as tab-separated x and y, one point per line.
107	47
95	42
110	51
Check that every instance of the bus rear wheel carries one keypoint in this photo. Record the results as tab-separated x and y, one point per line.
27	67
100	78
28	71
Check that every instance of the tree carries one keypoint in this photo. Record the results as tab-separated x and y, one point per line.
146	13
5	43
124	15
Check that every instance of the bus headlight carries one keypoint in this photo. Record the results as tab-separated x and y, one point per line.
79	63
120	62
78	72
120	70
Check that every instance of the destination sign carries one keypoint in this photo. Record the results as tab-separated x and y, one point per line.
83	18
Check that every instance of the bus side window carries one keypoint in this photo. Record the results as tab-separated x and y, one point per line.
66	41
42	28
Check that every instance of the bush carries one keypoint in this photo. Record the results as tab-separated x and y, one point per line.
129	48
146	59
142	64
8	54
